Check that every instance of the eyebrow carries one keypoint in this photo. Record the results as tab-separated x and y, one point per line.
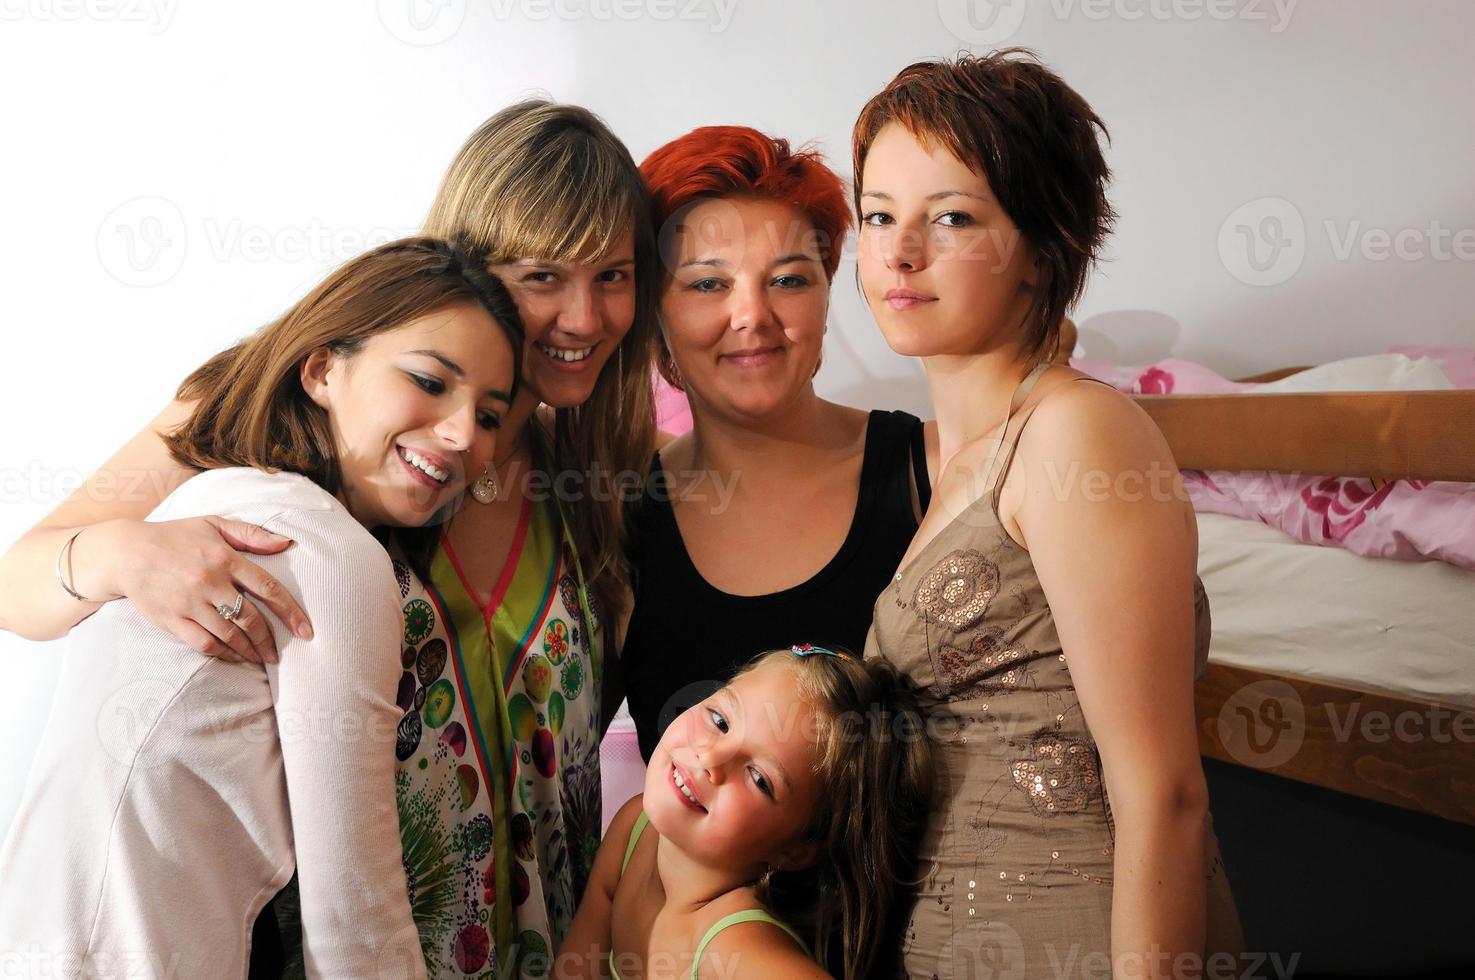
460	372
547	263
934	197
715	262
783	773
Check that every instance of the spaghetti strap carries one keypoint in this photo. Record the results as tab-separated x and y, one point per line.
635	832
919	466
1020	395
749	915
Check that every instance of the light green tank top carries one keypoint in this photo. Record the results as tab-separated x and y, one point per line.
747	915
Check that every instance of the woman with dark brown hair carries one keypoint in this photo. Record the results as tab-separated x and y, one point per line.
1048	606
174	794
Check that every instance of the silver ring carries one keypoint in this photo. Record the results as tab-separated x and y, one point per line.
229	613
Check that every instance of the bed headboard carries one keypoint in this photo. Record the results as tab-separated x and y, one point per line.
1381	435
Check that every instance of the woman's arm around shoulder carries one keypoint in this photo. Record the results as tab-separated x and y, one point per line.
167	569
1114	543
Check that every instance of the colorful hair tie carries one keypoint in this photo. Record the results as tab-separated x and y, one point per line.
809	649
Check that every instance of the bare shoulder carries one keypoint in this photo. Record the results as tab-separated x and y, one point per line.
1087	421
175	414
624	819
759	949
609	862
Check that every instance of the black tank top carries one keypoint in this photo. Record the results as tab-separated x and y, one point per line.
685	637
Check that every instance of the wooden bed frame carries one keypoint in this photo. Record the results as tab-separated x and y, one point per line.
1427	435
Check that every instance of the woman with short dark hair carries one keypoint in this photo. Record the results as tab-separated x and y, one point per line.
1048	606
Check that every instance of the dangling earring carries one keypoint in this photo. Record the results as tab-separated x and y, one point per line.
485	489
619	377
674	377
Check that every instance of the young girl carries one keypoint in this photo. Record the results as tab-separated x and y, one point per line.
174	794
799	789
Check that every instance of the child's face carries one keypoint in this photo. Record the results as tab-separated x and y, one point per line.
746	756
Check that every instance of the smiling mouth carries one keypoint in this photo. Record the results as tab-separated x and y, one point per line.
682	786
751	355
567	355
432	472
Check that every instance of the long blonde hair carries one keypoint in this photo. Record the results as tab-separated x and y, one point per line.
549	181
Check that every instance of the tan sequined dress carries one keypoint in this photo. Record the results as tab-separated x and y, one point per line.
1017	859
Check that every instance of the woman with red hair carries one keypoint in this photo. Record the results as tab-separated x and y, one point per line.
780	516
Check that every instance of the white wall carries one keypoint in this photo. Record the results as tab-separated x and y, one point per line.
271	140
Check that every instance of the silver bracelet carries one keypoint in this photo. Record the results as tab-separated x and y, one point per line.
65	552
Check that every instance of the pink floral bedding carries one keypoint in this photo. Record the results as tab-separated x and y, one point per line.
1405	519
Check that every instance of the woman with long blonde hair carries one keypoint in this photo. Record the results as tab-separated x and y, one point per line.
503	641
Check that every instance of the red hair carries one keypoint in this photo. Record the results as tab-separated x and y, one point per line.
737	161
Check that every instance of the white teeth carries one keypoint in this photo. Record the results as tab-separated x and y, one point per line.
681	785
560	354
424	465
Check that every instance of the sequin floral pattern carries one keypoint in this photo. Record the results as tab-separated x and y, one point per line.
1017	859
956	591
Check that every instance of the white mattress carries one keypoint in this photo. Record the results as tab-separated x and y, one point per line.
1404	628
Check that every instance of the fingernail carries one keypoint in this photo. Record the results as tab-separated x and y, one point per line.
303	631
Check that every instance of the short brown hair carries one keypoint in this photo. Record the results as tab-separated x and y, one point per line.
1034	138
251	409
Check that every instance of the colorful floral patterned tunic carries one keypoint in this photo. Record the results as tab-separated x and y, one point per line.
498	778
